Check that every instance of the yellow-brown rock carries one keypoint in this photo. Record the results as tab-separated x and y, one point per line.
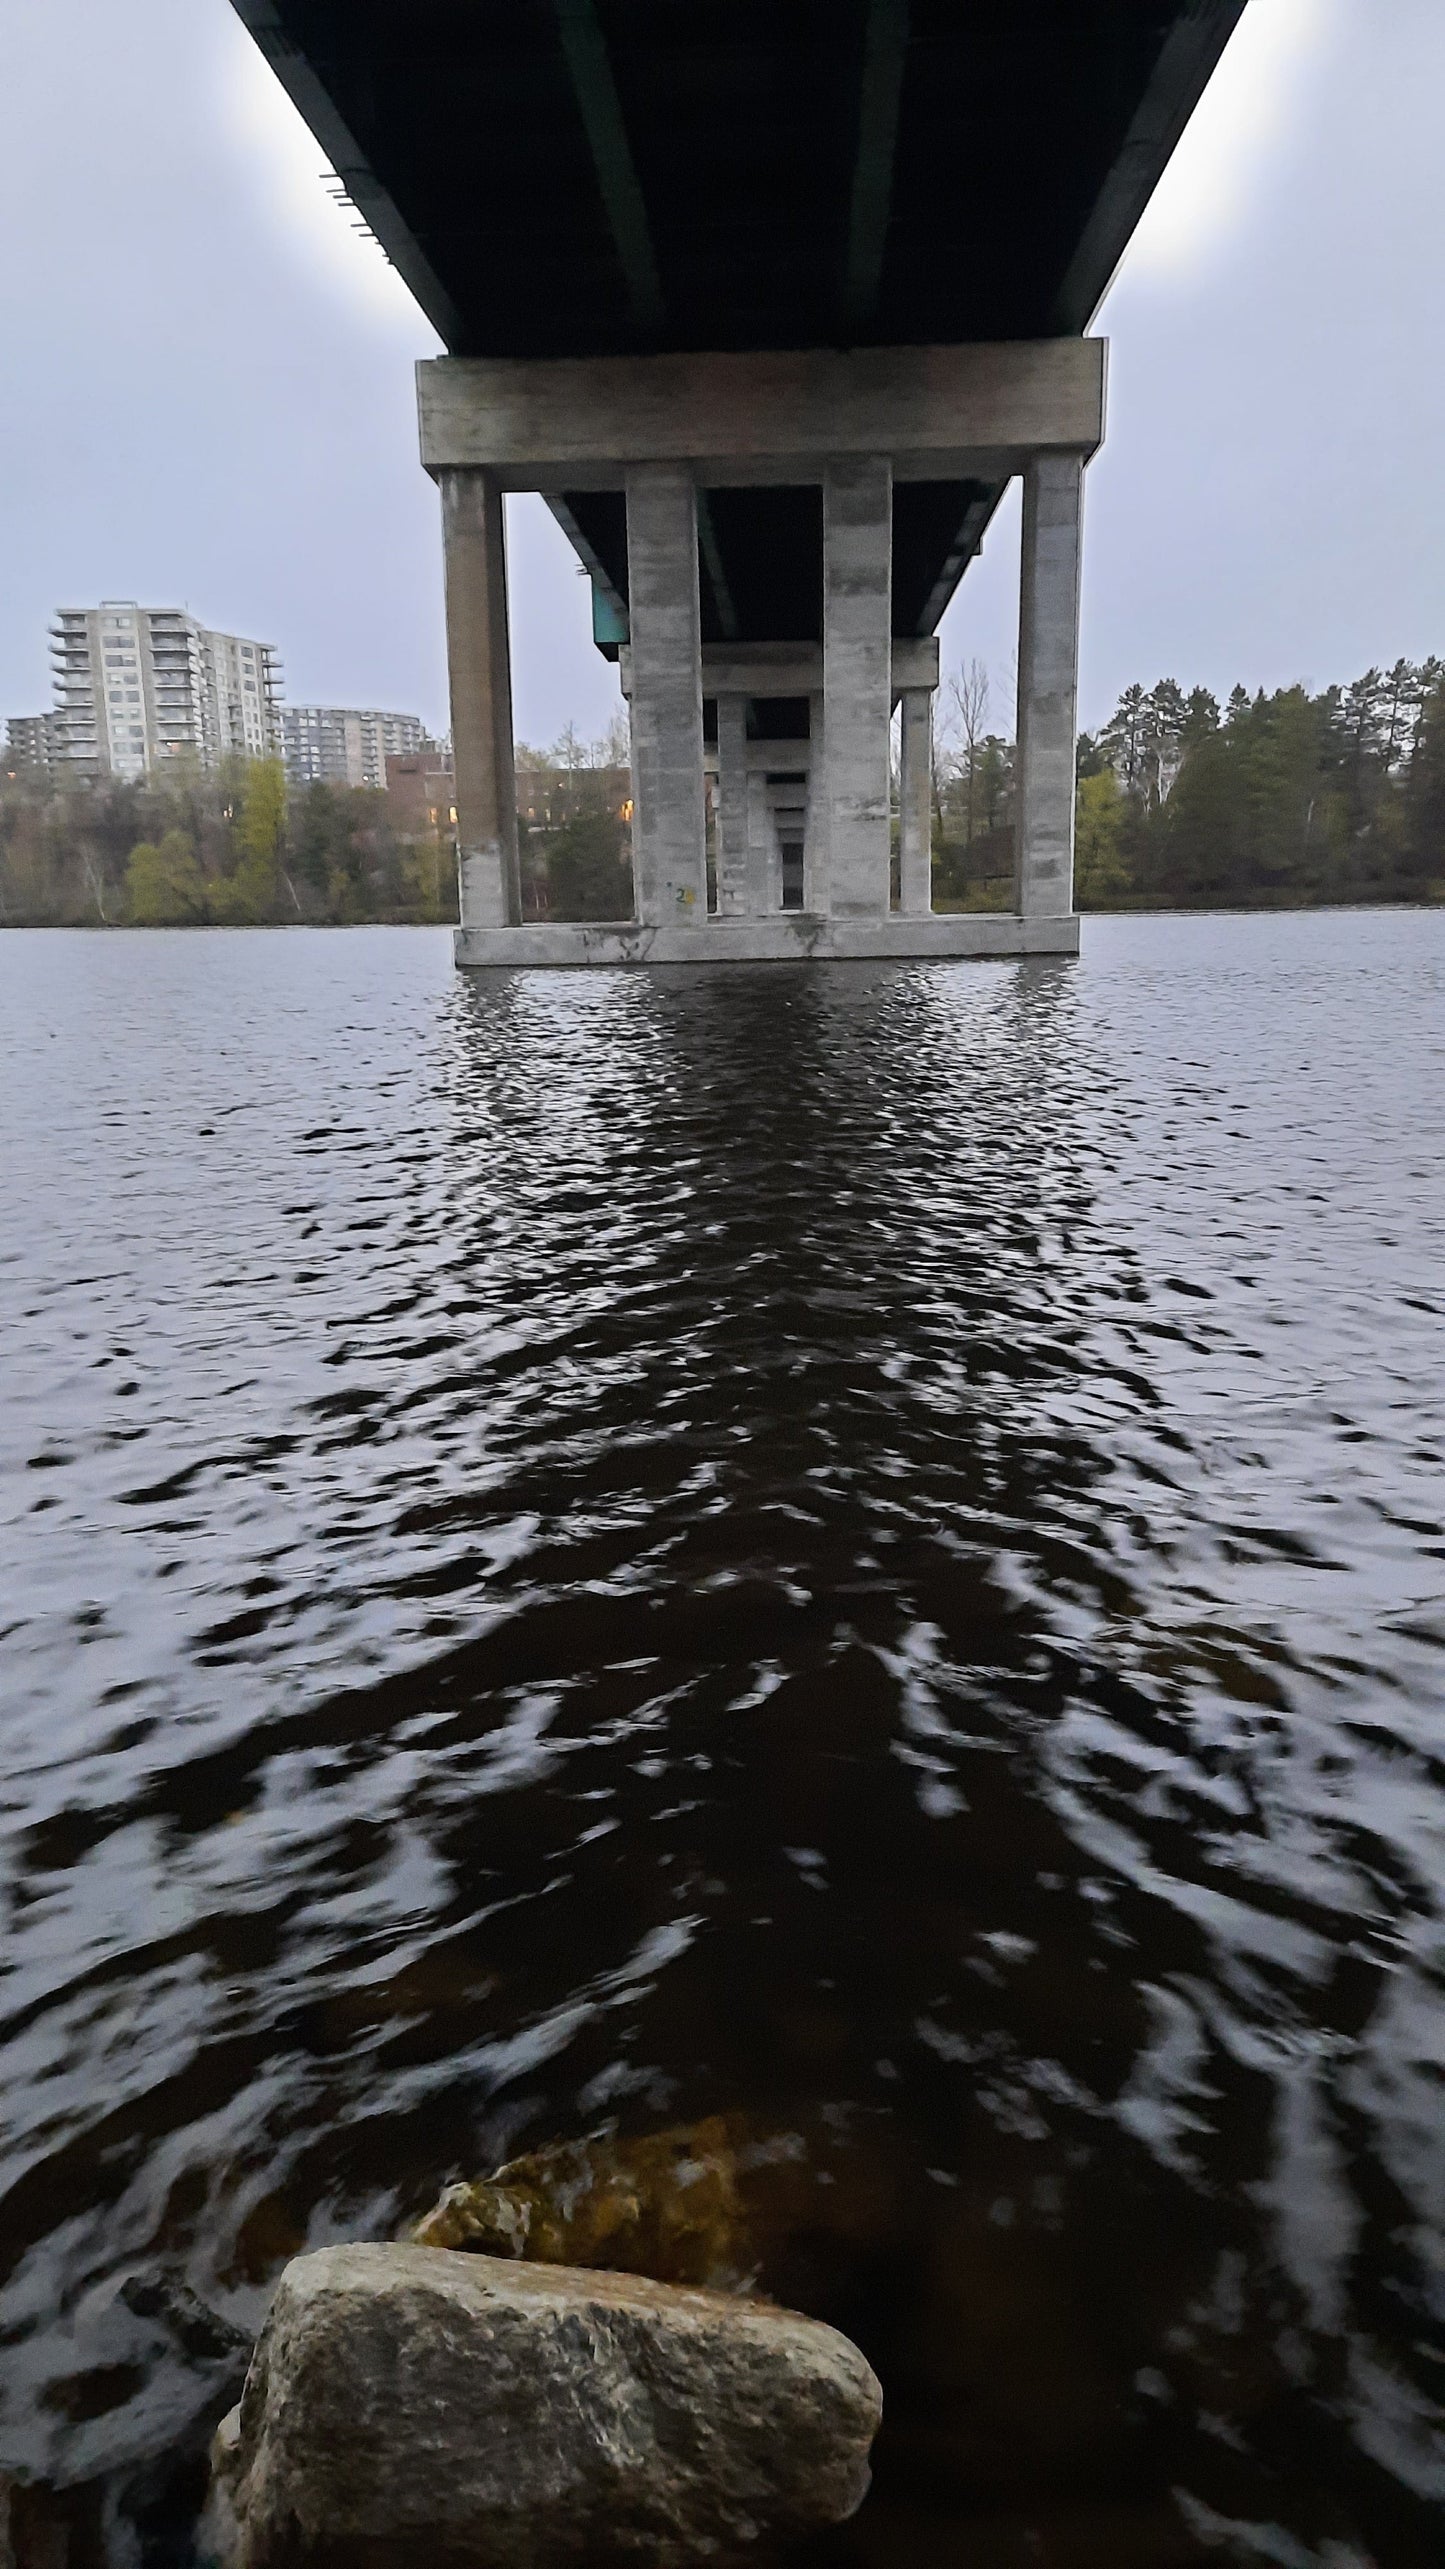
668	2205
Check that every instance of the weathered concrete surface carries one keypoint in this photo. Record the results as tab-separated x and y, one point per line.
815	844
408	2404
915	805
669	842
479	664
733	884
771	416
1048	685
781	937
764	862
857	678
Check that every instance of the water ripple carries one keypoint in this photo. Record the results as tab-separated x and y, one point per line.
856	1548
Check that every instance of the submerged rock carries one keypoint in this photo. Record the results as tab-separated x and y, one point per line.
667	2205
35	2532
404	2405
198	2332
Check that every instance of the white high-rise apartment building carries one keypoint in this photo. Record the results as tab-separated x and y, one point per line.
138	687
339	745
29	744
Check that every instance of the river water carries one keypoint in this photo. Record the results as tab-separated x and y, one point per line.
854	1549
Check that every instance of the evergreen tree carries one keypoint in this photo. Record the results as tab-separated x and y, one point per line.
1194	855
1165	715
1424	795
1201	718
1125	736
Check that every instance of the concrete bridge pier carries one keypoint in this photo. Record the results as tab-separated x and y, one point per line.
765	892
735	886
815	841
1048	687
915	804
479	669
766	804
803	826
669	834
857	683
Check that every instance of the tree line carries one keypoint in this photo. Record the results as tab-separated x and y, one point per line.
237	849
574	840
241	848
1271	801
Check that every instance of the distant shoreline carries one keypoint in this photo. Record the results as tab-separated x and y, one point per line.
350	927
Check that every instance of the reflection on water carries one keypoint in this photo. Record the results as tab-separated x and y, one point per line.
855	1551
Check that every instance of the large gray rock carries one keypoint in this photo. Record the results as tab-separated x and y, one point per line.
412	2404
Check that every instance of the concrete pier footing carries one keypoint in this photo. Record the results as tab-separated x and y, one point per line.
804	825
782	937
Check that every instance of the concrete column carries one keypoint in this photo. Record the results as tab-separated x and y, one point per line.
733	880
764	890
857	680
815	844
669	838
915	805
1048	686
480	668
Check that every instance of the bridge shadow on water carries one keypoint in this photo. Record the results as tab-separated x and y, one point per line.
773	1469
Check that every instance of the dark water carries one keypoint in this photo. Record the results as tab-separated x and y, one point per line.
856	1548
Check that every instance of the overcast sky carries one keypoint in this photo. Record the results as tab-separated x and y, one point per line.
206	394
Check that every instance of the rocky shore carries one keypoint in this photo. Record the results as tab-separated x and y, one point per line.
564	2366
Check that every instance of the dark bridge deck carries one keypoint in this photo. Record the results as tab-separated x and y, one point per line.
579	177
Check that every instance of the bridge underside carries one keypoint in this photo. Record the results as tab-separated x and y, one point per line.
800	722
564	180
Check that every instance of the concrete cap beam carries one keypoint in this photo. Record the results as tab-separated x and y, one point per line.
769	417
